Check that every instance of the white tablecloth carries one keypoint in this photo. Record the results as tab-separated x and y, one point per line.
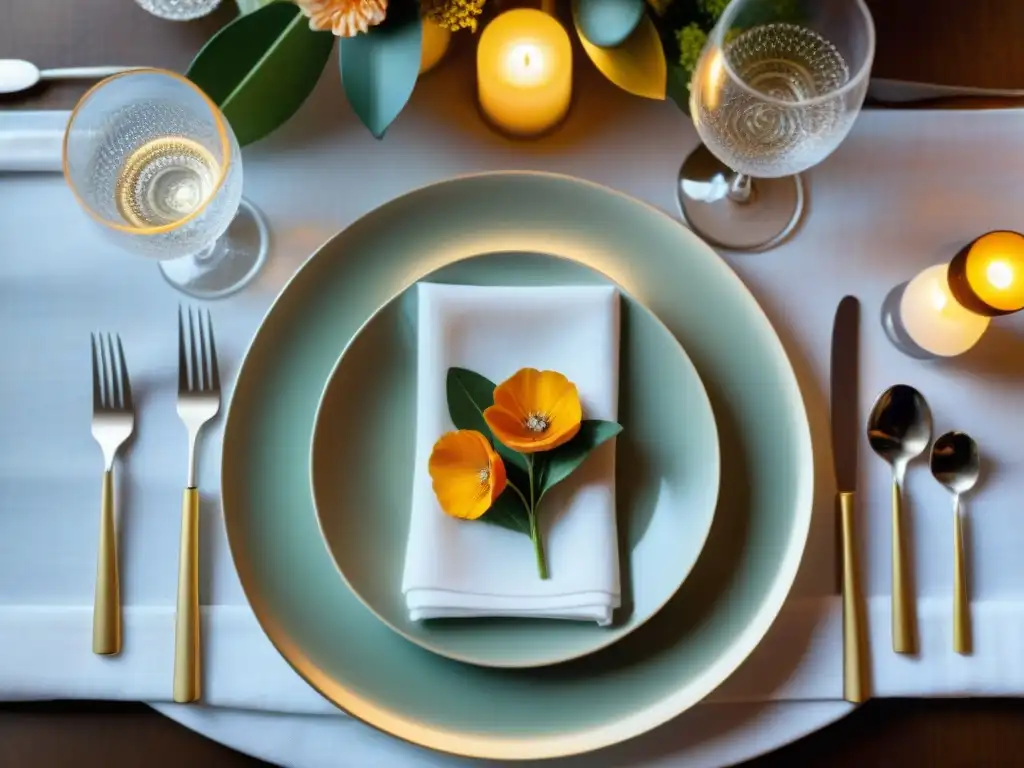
904	191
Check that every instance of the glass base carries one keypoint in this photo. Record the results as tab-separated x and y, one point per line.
229	263
710	205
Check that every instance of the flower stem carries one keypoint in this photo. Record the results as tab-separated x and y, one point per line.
538	547
538	544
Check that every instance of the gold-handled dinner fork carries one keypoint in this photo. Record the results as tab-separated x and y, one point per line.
198	402
113	418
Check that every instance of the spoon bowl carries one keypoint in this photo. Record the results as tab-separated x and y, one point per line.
900	426
956	462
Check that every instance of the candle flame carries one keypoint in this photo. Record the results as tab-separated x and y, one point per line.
1000	274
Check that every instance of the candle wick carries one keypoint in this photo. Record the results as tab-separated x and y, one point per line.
526	59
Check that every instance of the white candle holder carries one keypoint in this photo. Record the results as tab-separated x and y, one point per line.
923	319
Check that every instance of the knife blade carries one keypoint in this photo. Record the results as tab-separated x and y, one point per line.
846	432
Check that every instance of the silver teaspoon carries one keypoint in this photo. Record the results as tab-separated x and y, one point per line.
899	430
19	75
956	464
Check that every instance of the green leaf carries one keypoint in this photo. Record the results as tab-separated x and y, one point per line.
508	512
261	67
379	68
607	23
563	461
637	65
469	395
248	6
678	87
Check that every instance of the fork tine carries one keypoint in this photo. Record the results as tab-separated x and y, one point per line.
126	386
203	353
116	387
182	364
97	394
214	370
108	395
195	381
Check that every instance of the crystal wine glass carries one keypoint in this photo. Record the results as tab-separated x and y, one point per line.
151	158
776	90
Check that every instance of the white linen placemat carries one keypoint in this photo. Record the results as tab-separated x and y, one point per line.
459	569
31	140
905	190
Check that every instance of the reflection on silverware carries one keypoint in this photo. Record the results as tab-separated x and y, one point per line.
845	443
956	464
899	429
113	418
198	402
20	75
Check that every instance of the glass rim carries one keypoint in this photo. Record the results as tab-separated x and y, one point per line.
862	73
222	131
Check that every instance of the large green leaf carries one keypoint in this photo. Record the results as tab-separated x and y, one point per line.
637	65
379	68
563	461
261	67
469	395
607	23
508	512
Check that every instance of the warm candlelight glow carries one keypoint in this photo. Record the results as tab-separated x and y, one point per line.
524	72
987	276
934	319
525	64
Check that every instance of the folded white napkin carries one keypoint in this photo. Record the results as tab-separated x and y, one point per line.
457	568
31	140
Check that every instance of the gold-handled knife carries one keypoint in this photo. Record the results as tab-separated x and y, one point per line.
846	432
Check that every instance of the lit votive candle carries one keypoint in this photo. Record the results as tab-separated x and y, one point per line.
934	320
524	72
987	275
434	46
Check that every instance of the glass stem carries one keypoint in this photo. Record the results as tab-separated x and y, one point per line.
741	188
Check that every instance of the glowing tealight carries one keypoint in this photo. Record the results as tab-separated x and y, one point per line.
987	276
524	72
934	320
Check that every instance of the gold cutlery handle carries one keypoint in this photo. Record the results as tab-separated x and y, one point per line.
961	609
186	619
106	610
902	601
855	667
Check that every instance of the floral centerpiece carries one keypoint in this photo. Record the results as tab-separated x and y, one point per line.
262	66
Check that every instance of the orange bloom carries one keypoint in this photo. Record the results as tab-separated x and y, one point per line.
535	411
467	474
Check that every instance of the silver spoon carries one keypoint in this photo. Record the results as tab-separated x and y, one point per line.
899	430
19	75
956	464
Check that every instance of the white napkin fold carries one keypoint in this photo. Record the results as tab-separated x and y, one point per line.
31	140
455	568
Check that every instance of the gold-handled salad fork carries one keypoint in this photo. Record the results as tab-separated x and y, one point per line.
198	402
113	418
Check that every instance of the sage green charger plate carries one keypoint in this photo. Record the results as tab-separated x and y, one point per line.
667	471
699	638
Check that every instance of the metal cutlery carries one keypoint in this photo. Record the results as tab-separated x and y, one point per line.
844	398
956	464
198	402
20	75
113	418
899	430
